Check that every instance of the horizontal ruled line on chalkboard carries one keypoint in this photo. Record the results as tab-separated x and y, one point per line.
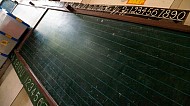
129	66
33	65
146	44
128	24
139	34
120	63
130	57
183	67
103	65
94	76
70	78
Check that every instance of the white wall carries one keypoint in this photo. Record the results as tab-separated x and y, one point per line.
176	4
10	88
181	4
22	99
148	3
4	71
77	1
184	5
12	92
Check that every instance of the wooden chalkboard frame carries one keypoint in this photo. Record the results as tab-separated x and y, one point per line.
140	11
83	9
34	79
27	68
162	24
139	20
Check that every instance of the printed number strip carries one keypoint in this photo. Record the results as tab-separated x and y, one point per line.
157	13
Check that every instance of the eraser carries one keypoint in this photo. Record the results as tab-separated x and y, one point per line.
31	3
70	8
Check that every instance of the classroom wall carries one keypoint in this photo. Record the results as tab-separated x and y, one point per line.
12	92
9	96
148	3
77	1
173	4
10	88
22	99
4	71
181	4
184	5
176	4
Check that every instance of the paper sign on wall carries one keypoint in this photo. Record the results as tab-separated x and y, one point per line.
138	2
4	42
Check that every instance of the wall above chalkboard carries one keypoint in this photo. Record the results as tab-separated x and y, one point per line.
146	12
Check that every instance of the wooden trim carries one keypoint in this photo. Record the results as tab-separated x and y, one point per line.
25	38
42	89
157	23
36	81
161	23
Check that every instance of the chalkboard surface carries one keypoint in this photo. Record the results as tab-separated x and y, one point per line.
86	60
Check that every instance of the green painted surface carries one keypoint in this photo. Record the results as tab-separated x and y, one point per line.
86	60
31	88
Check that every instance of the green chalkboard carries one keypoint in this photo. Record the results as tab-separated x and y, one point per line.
86	60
